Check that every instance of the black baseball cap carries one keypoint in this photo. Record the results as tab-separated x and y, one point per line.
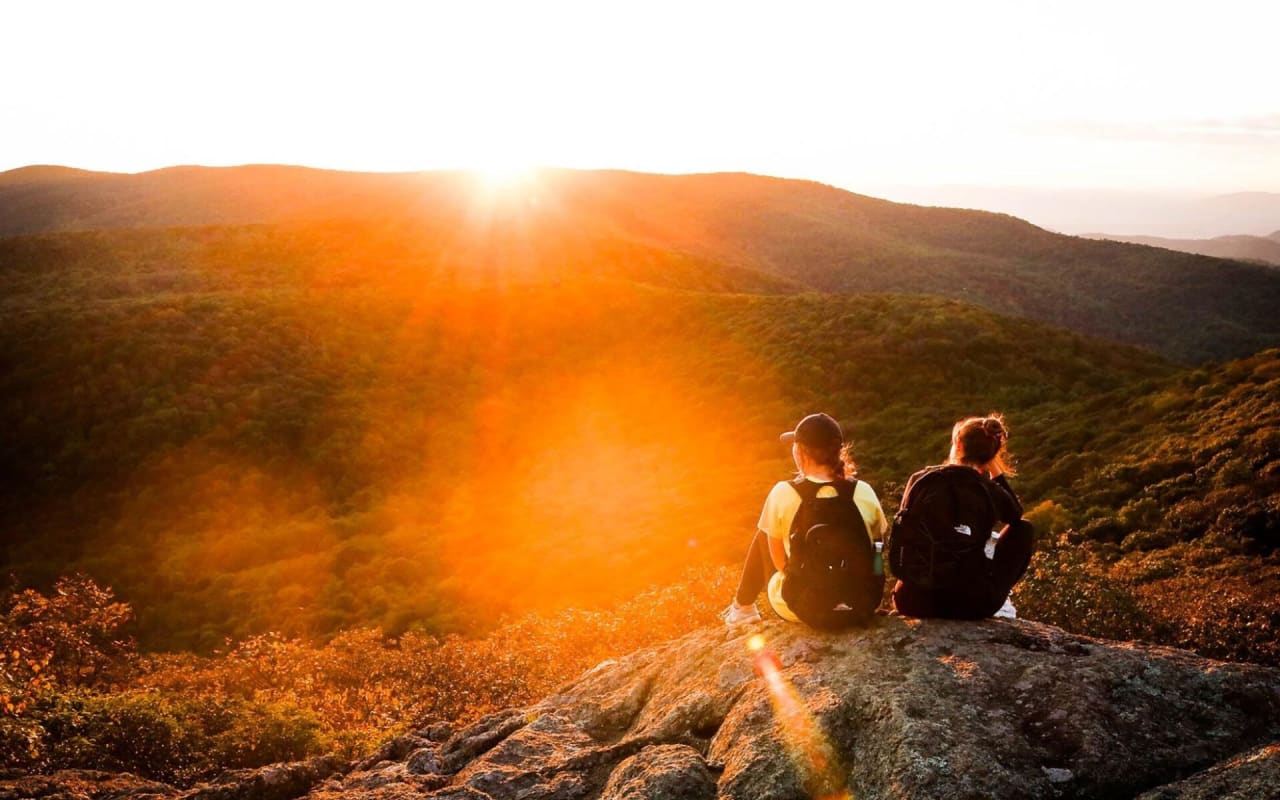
815	430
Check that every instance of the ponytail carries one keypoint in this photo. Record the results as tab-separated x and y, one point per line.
977	441
838	458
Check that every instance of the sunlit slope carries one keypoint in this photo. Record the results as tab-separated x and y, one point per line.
437	255
801	235
1184	306
237	450
1175	486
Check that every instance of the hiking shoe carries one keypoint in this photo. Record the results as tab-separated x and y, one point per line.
736	615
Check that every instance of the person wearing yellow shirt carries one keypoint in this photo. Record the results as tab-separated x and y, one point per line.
821	457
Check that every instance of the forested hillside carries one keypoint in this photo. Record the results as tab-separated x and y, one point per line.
430	420
238	459
1172	492
762	234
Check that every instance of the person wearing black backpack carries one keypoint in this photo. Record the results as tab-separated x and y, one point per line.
814	544
938	547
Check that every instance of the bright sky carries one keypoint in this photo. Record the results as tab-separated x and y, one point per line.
1134	95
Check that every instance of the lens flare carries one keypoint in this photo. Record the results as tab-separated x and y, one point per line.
807	745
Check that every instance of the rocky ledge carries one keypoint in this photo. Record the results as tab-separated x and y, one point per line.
905	709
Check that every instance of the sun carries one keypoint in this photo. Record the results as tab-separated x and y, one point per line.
505	187
502	175
501	189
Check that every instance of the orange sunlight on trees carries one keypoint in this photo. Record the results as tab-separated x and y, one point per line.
442	406
469	427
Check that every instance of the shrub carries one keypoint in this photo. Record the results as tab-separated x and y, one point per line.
1103	529
1049	519
71	634
1064	587
132	732
168	736
1231	617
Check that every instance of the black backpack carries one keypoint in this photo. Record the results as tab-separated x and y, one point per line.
939	533
829	581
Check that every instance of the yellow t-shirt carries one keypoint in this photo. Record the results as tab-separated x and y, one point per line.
780	509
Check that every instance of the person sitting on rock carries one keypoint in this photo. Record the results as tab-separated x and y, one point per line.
833	501
946	550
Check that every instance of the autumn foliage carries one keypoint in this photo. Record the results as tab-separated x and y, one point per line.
182	717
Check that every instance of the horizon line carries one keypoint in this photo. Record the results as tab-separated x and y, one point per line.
872	187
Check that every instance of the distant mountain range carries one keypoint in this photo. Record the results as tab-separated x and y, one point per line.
728	232
1263	249
1176	215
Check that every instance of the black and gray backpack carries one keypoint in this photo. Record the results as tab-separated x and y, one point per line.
829	581
938	534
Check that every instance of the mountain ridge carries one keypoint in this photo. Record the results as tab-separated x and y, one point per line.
1264	249
1172	214
790	235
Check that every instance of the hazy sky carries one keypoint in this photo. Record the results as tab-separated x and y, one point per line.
1145	96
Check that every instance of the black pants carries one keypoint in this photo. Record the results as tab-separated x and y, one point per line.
756	570
984	598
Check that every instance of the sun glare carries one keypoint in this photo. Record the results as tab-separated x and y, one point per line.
503	187
501	176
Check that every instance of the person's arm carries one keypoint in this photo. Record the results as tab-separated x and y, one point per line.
778	552
910	482
771	518
1008	506
869	505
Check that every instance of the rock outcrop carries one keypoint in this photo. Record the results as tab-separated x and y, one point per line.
276	782
1252	776
905	709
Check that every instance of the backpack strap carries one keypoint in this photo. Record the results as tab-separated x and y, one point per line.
905	504
807	489
845	488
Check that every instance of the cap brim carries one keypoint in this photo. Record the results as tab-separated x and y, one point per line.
788	437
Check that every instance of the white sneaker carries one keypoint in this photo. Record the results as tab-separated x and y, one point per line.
736	615
1007	611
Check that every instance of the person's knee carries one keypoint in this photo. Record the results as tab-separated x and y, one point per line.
1022	529
1020	538
1012	558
